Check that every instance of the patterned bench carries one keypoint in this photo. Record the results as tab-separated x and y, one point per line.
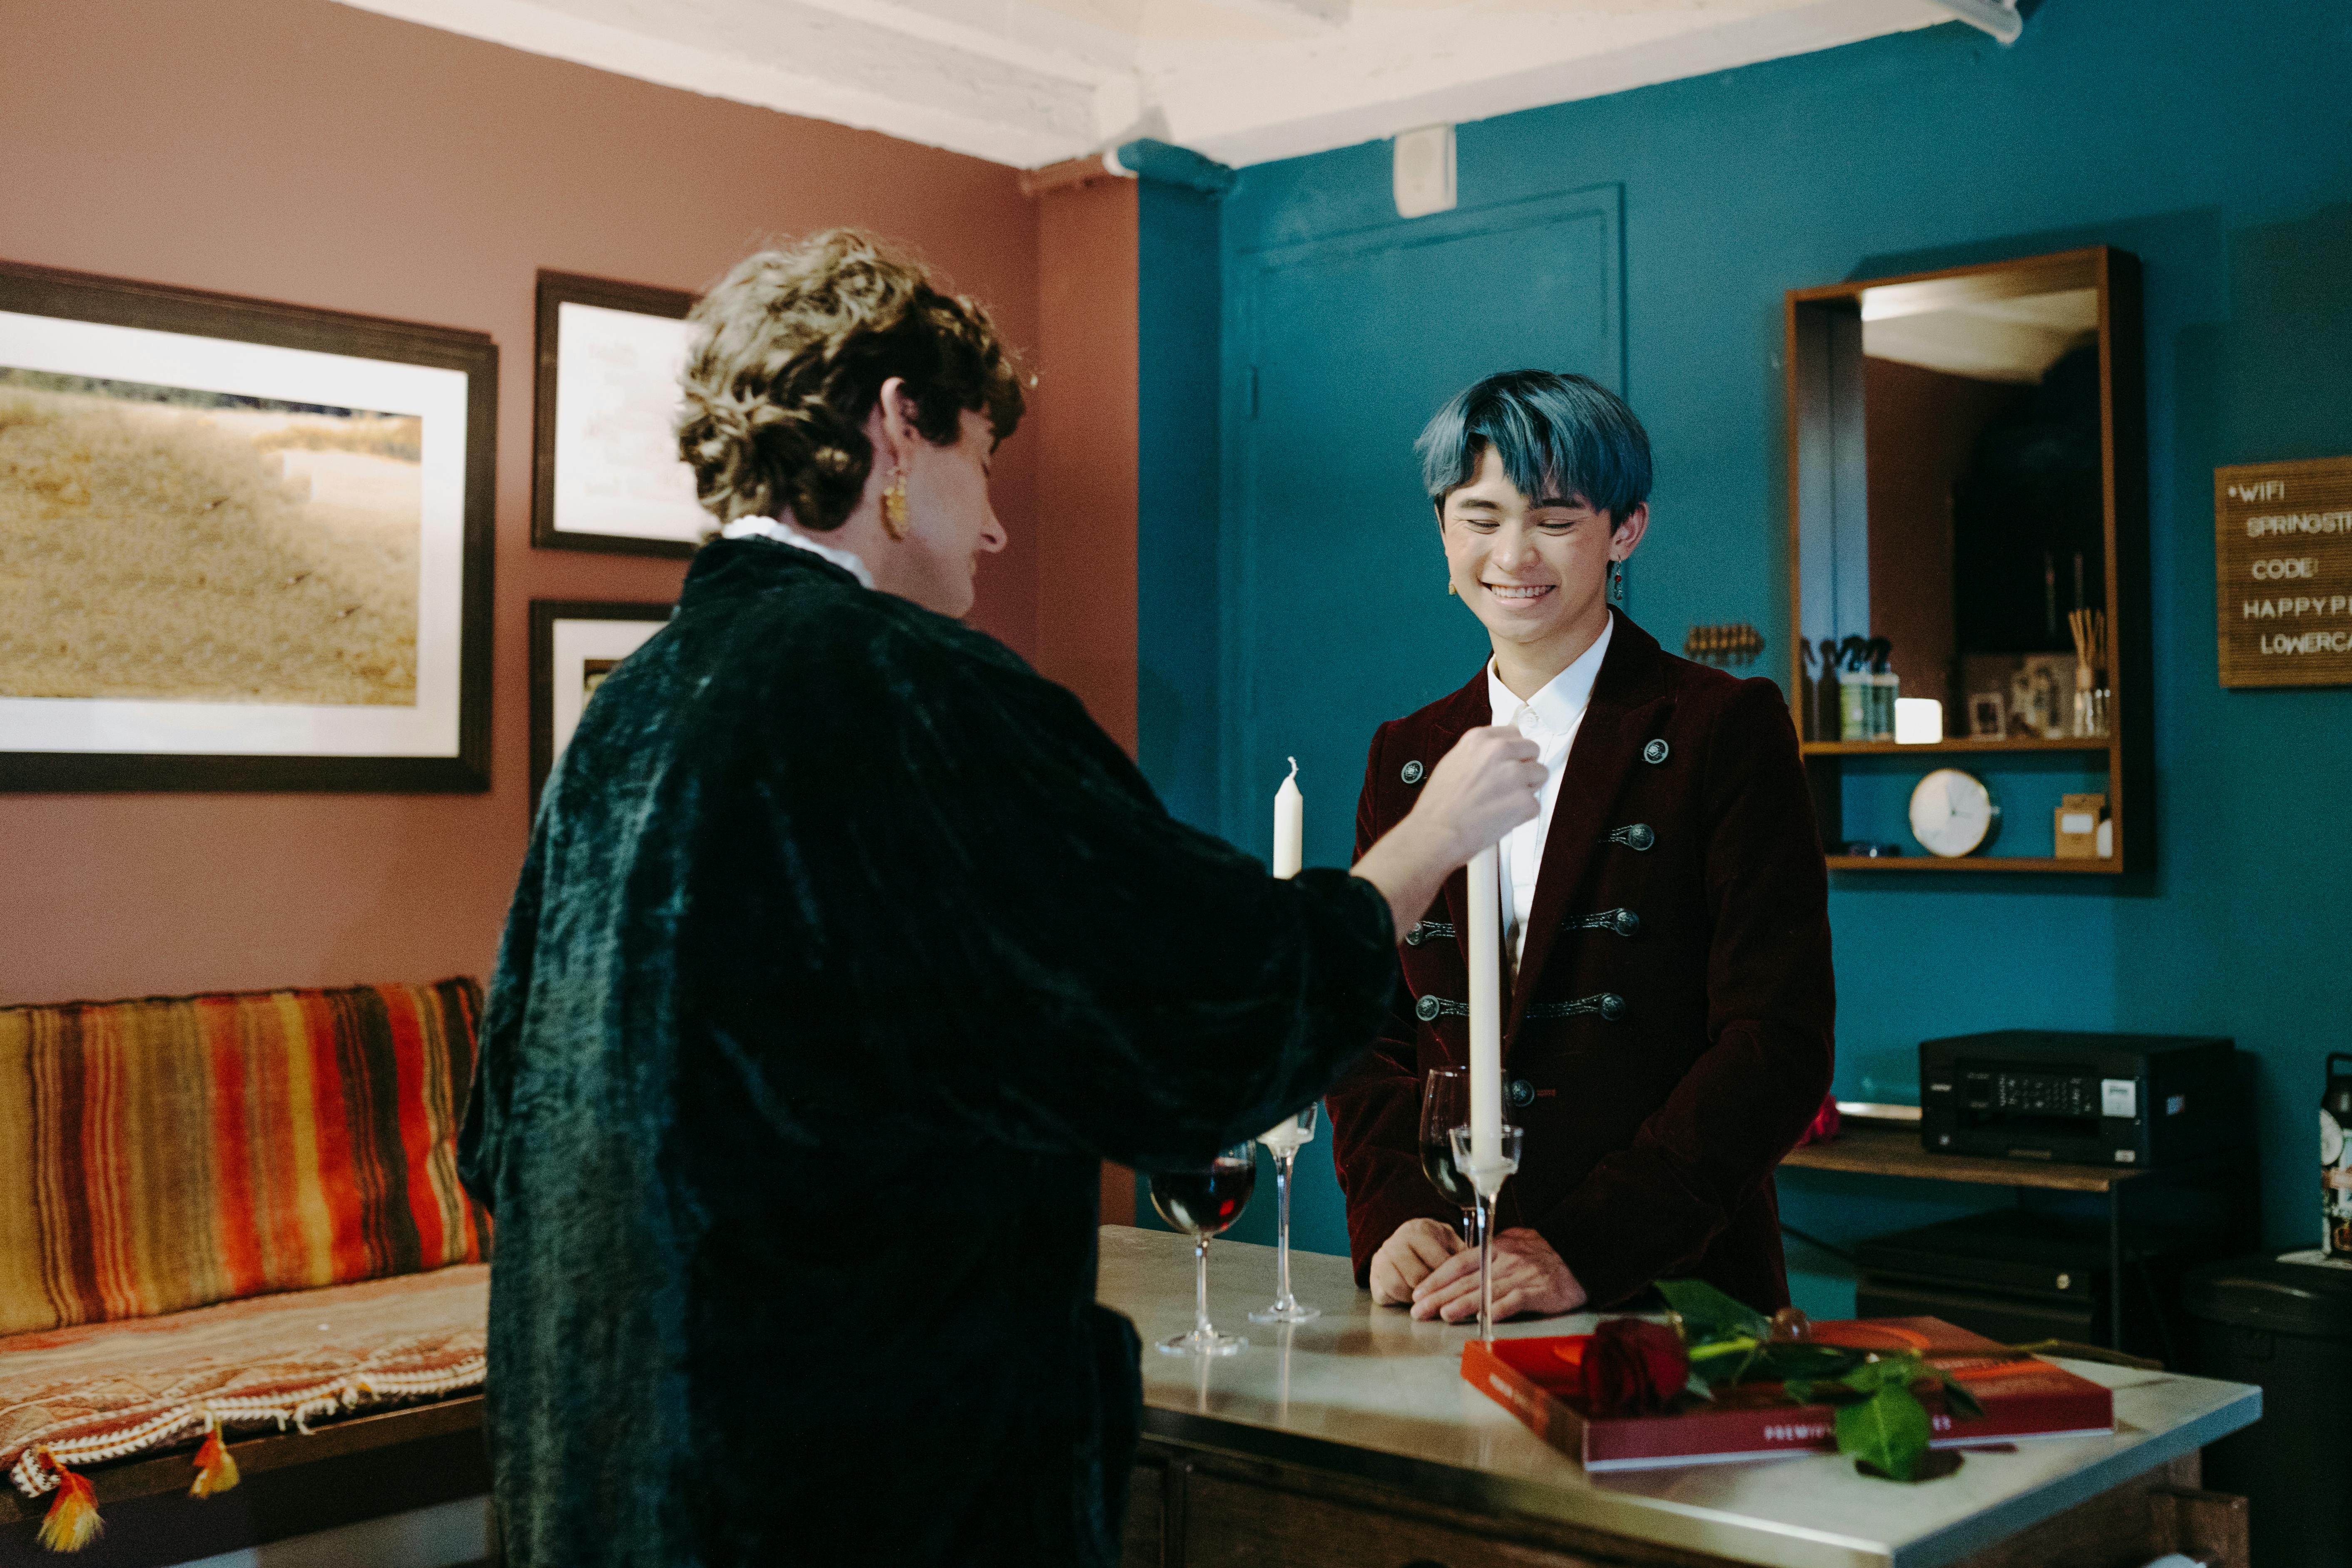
238	1214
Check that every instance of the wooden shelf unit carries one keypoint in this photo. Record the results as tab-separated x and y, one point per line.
1826	430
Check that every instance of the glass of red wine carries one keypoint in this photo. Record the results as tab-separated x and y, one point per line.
1201	1200
1445	1106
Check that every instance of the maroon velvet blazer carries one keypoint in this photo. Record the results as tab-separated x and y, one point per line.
1670	1033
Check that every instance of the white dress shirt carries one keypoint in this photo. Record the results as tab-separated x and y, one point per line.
785	533
1550	719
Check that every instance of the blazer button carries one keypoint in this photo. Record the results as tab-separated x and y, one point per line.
1639	836
1522	1093
1411	773
1655	751
1425	1009
1612	1006
1627	923
1412	938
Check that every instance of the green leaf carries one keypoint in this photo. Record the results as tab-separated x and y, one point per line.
1888	1431
1708	1314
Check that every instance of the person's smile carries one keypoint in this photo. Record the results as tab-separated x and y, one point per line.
1518	593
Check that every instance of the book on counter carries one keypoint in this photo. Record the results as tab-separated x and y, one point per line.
1538	1380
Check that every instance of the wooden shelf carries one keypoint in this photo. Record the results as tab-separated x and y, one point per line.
1884	1150
1960	746
1924	862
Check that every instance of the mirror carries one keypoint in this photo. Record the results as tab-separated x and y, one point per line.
1953	471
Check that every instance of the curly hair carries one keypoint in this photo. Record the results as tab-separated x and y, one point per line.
793	349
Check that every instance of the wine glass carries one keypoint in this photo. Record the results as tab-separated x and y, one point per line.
1201	1200
1445	1106
1283	1142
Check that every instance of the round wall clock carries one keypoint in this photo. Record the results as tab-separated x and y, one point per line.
1952	813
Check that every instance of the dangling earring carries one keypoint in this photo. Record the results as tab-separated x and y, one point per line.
894	505
1616	582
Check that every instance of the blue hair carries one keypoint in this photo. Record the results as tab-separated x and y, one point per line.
1561	437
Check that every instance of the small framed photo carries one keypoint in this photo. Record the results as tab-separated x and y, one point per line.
574	643
1988	716
605	473
243	545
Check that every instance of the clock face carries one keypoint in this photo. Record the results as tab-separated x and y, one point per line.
1952	813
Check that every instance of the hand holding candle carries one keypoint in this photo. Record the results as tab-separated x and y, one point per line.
1478	791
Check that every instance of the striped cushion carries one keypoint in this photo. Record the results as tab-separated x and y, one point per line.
159	1154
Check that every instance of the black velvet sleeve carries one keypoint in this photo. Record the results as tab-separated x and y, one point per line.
1048	955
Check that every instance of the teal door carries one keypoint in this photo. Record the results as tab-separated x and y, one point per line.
1336	612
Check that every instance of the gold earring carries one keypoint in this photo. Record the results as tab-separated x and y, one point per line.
894	505
1451	589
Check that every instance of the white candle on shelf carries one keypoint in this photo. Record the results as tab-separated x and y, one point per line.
1486	1009
1289	824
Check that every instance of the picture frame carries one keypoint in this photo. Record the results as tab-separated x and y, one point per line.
605	474
248	543
573	643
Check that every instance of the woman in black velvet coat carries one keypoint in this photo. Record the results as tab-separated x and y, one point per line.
846	946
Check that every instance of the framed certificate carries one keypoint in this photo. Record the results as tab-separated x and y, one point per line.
243	545
574	643
605	473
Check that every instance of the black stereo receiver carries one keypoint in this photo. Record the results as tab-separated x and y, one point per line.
2079	1098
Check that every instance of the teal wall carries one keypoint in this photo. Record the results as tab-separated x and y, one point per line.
2216	143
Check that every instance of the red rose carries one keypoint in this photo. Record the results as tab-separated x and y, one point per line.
1633	1367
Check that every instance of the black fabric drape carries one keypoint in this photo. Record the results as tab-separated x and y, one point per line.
844	947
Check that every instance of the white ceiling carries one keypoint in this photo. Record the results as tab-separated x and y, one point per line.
1029	82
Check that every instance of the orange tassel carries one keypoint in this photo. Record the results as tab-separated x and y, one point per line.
72	1521
216	1467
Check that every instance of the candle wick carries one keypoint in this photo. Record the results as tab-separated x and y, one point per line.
1294	767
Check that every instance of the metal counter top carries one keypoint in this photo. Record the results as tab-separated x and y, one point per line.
1366	1392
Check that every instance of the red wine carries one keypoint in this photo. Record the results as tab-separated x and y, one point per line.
1437	1164
1203	1203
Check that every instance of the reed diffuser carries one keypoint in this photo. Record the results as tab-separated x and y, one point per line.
2091	651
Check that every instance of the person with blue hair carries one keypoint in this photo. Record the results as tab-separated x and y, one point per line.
1670	1006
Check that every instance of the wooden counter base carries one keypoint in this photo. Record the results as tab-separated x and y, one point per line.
1194	1507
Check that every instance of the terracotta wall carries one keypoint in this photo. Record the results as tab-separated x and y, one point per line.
1086	410
1085	407
296	150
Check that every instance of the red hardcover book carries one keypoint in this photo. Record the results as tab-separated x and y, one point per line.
1540	1380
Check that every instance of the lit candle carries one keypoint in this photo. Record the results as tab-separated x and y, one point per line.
1485	1010
1289	824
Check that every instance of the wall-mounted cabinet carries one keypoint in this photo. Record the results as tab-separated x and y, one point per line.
1967	475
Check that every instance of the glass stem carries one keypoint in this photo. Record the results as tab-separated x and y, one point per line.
1282	1300
1487	1269
1200	1329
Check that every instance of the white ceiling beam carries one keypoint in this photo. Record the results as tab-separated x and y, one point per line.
1288	102
843	70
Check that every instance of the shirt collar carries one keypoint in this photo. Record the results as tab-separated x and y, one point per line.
785	533
1557	708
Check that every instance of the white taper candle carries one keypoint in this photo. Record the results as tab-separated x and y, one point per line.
1486	1009
1289	824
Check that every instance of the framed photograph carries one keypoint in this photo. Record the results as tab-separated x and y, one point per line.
574	643
605	473
1988	716
243	545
